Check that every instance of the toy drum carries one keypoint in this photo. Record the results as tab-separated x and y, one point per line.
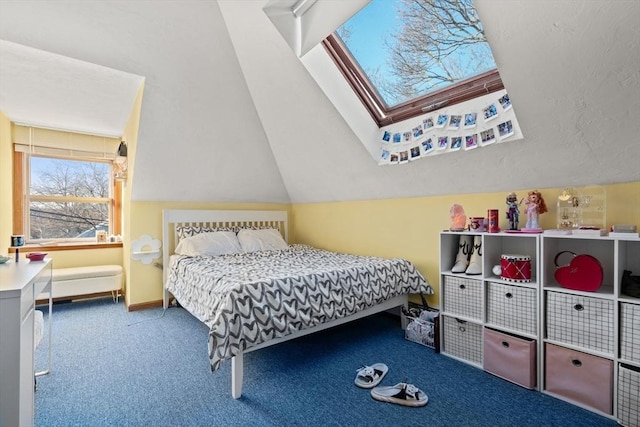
516	268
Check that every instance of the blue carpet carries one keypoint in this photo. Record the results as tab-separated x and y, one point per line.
150	368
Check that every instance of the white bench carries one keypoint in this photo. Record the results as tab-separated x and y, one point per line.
74	281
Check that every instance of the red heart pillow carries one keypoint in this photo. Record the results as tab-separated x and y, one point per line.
584	273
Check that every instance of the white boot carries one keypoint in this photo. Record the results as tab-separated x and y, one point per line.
475	262
465	246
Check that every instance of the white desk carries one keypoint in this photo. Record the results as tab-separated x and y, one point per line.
20	283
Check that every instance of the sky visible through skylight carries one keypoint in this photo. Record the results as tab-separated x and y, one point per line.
369	34
366	42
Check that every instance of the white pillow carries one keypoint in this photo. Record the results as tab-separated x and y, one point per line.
191	230
261	240
209	244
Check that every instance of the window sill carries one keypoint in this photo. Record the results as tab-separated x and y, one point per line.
51	247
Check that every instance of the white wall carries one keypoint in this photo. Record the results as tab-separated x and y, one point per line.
235	116
576	117
199	138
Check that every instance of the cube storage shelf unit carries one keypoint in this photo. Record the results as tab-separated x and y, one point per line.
582	347
591	341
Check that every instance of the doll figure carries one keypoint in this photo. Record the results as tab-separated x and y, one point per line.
535	206
458	218
513	213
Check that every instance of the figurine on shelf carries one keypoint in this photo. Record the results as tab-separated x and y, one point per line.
458	218
535	206
513	213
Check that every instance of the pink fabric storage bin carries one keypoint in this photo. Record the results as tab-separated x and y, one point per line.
510	357
580	377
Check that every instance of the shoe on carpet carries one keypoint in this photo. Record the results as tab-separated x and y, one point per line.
370	376
401	394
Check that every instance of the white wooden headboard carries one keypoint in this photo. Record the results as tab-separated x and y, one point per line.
172	218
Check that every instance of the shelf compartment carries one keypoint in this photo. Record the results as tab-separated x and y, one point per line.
628	395
462	340
498	244
601	248
512	306
579	377
628	258
449	246
510	357
630	332
463	296
583	321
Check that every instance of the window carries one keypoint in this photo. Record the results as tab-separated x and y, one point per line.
68	198
433	54
65	186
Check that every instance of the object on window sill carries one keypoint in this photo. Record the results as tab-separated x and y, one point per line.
63	246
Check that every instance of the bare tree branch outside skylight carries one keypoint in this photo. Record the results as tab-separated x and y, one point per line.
438	43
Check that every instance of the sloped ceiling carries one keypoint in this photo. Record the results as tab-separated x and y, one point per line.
199	136
54	91
230	113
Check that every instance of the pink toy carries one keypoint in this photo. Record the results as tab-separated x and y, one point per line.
535	206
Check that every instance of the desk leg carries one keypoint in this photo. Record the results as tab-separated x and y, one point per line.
50	321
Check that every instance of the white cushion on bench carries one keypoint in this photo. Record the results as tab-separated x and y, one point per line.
67	282
75	273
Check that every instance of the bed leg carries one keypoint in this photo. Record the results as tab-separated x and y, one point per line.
237	363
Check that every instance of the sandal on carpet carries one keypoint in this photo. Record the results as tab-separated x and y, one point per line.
400	394
370	376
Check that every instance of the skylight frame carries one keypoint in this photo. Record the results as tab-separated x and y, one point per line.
382	115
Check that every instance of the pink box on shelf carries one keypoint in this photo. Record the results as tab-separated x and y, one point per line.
579	377
510	357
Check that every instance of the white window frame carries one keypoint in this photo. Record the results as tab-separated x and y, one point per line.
43	198
59	144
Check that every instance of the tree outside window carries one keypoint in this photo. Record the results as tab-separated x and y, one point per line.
68	198
406	57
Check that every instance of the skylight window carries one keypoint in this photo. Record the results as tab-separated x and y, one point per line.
407	57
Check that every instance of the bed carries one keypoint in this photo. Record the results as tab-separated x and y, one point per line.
261	291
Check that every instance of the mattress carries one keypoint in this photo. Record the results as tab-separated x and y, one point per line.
250	298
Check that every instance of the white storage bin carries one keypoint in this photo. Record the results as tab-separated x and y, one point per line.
462	339
463	296
630	332
513	307
629	396
583	321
